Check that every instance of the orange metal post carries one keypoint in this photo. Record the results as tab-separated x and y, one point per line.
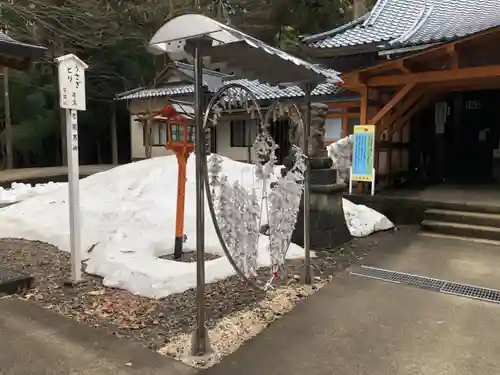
182	157
182	148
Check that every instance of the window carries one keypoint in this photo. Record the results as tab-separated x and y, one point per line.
162	132
243	133
341	119
177	132
473	104
191	133
158	133
333	128
351	123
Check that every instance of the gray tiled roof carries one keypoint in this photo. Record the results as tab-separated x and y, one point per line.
410	22
167	90
12	47
262	91
7	39
211	79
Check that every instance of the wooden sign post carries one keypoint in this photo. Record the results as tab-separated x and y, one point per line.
72	98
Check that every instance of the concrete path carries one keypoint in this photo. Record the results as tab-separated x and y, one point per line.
353	326
358	326
35	341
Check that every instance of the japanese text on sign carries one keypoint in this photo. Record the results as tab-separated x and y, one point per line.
72	83
74	130
362	154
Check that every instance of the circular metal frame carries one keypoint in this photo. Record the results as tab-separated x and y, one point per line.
262	125
270	111
211	207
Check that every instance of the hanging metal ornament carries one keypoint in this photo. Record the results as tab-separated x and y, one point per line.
243	98
281	189
236	212
222	103
238	200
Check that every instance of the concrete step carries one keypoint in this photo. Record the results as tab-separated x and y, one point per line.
462	230
463	217
459	238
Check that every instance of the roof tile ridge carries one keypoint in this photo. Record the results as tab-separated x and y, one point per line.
417	25
375	13
335	31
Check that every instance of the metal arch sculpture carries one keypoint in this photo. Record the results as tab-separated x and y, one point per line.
271	111
245	96
215	99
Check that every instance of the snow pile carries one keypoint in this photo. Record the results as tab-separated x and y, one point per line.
19	192
128	213
362	220
341	152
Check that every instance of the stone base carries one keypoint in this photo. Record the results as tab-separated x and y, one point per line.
320	162
328	228
323	176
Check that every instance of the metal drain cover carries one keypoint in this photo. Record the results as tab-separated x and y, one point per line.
443	286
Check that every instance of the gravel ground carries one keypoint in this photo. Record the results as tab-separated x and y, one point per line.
235	313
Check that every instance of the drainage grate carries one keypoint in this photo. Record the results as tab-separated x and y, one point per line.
443	286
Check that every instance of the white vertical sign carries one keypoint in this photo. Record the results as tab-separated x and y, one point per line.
72	98
72	82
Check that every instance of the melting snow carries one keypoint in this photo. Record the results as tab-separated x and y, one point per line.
128	213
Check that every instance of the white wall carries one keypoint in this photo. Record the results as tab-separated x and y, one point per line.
224	143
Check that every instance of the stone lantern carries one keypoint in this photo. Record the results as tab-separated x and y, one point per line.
328	229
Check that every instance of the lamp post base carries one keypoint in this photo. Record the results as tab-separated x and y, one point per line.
200	344
178	247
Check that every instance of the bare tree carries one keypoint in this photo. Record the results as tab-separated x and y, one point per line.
358	8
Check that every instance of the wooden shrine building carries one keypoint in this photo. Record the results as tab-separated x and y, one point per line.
428	74
17	55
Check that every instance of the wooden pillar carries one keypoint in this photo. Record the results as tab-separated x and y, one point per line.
148	134
114	136
363	115
8	121
345	121
390	138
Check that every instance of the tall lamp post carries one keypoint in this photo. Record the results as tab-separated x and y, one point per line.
206	41
180	139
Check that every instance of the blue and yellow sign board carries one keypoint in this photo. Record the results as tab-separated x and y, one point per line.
362	153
